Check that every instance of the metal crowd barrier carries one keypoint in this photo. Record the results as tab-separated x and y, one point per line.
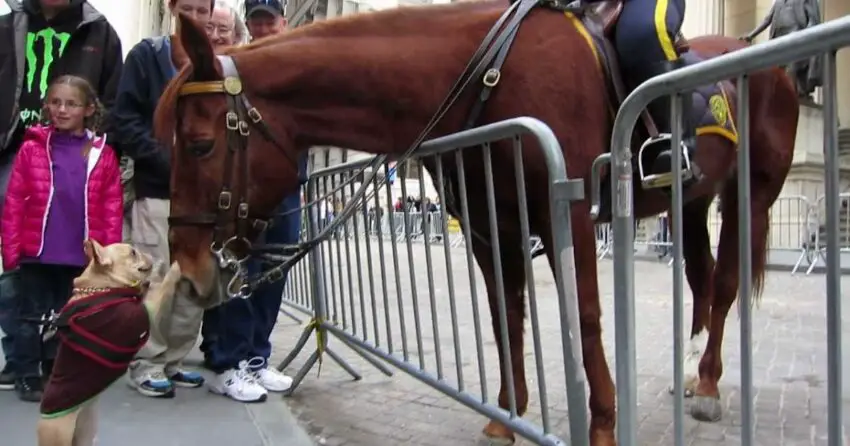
795	229
379	290
824	39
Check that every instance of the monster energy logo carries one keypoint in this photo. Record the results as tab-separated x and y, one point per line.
48	36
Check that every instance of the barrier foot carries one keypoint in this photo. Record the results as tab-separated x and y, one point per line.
291	316
365	355
323	334
342	363
302	373
299	345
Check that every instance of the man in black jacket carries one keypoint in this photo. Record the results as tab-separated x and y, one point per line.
39	41
148	69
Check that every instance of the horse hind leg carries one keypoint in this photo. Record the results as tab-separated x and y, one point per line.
602	398
513	278
706	405
699	265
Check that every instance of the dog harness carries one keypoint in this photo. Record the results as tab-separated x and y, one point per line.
75	336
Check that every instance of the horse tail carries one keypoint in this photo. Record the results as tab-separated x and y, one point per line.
759	264
761	236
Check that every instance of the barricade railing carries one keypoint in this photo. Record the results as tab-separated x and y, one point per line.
817	247
791	242
824	39
385	294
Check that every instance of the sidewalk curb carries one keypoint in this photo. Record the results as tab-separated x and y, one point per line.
276	423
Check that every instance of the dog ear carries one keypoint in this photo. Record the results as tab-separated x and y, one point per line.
95	254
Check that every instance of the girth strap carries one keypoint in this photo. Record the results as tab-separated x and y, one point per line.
102	351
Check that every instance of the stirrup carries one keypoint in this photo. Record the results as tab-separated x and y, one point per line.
664	179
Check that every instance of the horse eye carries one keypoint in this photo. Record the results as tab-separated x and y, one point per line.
200	148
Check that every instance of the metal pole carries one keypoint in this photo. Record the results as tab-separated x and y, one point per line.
624	293
678	279
745	258
833	257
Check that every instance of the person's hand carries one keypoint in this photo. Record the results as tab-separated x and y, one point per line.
747	39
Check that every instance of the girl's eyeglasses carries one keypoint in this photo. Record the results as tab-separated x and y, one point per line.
58	104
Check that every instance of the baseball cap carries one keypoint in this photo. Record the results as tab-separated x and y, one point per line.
273	7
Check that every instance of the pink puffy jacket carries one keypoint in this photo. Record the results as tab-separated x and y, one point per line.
30	188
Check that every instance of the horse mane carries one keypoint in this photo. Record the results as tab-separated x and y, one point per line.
403	21
411	20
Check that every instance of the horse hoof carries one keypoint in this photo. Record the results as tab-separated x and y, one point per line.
498	434
707	409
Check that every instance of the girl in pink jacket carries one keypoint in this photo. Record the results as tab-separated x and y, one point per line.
65	187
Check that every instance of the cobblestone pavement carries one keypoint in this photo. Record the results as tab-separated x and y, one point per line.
789	358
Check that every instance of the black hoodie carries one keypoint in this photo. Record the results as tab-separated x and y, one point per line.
34	51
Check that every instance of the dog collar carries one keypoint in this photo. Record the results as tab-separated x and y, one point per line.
90	290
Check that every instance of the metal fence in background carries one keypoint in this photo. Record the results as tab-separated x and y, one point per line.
394	288
797	231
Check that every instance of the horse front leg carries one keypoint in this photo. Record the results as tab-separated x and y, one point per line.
706	405
513	276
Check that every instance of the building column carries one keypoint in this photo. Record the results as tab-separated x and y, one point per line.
740	16
833	9
702	18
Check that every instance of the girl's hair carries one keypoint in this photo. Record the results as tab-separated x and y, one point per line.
93	122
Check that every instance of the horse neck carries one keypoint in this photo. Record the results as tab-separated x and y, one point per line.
370	93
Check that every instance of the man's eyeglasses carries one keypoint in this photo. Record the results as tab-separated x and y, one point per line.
221	31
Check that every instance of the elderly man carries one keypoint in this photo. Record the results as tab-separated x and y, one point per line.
225	28
236	345
41	40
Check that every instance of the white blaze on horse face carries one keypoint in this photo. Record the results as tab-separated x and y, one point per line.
692	356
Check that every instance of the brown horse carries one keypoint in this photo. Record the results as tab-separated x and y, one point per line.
371	82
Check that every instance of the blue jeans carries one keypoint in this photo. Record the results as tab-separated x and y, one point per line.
42	288
8	281
240	329
9	314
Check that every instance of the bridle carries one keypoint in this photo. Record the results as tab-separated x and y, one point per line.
484	66
241	117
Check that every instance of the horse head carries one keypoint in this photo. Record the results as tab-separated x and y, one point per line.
208	117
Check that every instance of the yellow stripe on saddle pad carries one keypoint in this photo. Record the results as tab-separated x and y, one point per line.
586	35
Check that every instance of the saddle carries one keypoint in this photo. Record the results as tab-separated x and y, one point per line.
600	19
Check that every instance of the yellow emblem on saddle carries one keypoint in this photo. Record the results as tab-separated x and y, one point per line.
719	109
724	122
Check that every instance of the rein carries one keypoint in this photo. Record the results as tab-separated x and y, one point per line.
484	65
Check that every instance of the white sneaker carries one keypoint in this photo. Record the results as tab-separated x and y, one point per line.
239	384
273	380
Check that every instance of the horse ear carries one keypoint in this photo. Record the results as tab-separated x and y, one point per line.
178	54
197	49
